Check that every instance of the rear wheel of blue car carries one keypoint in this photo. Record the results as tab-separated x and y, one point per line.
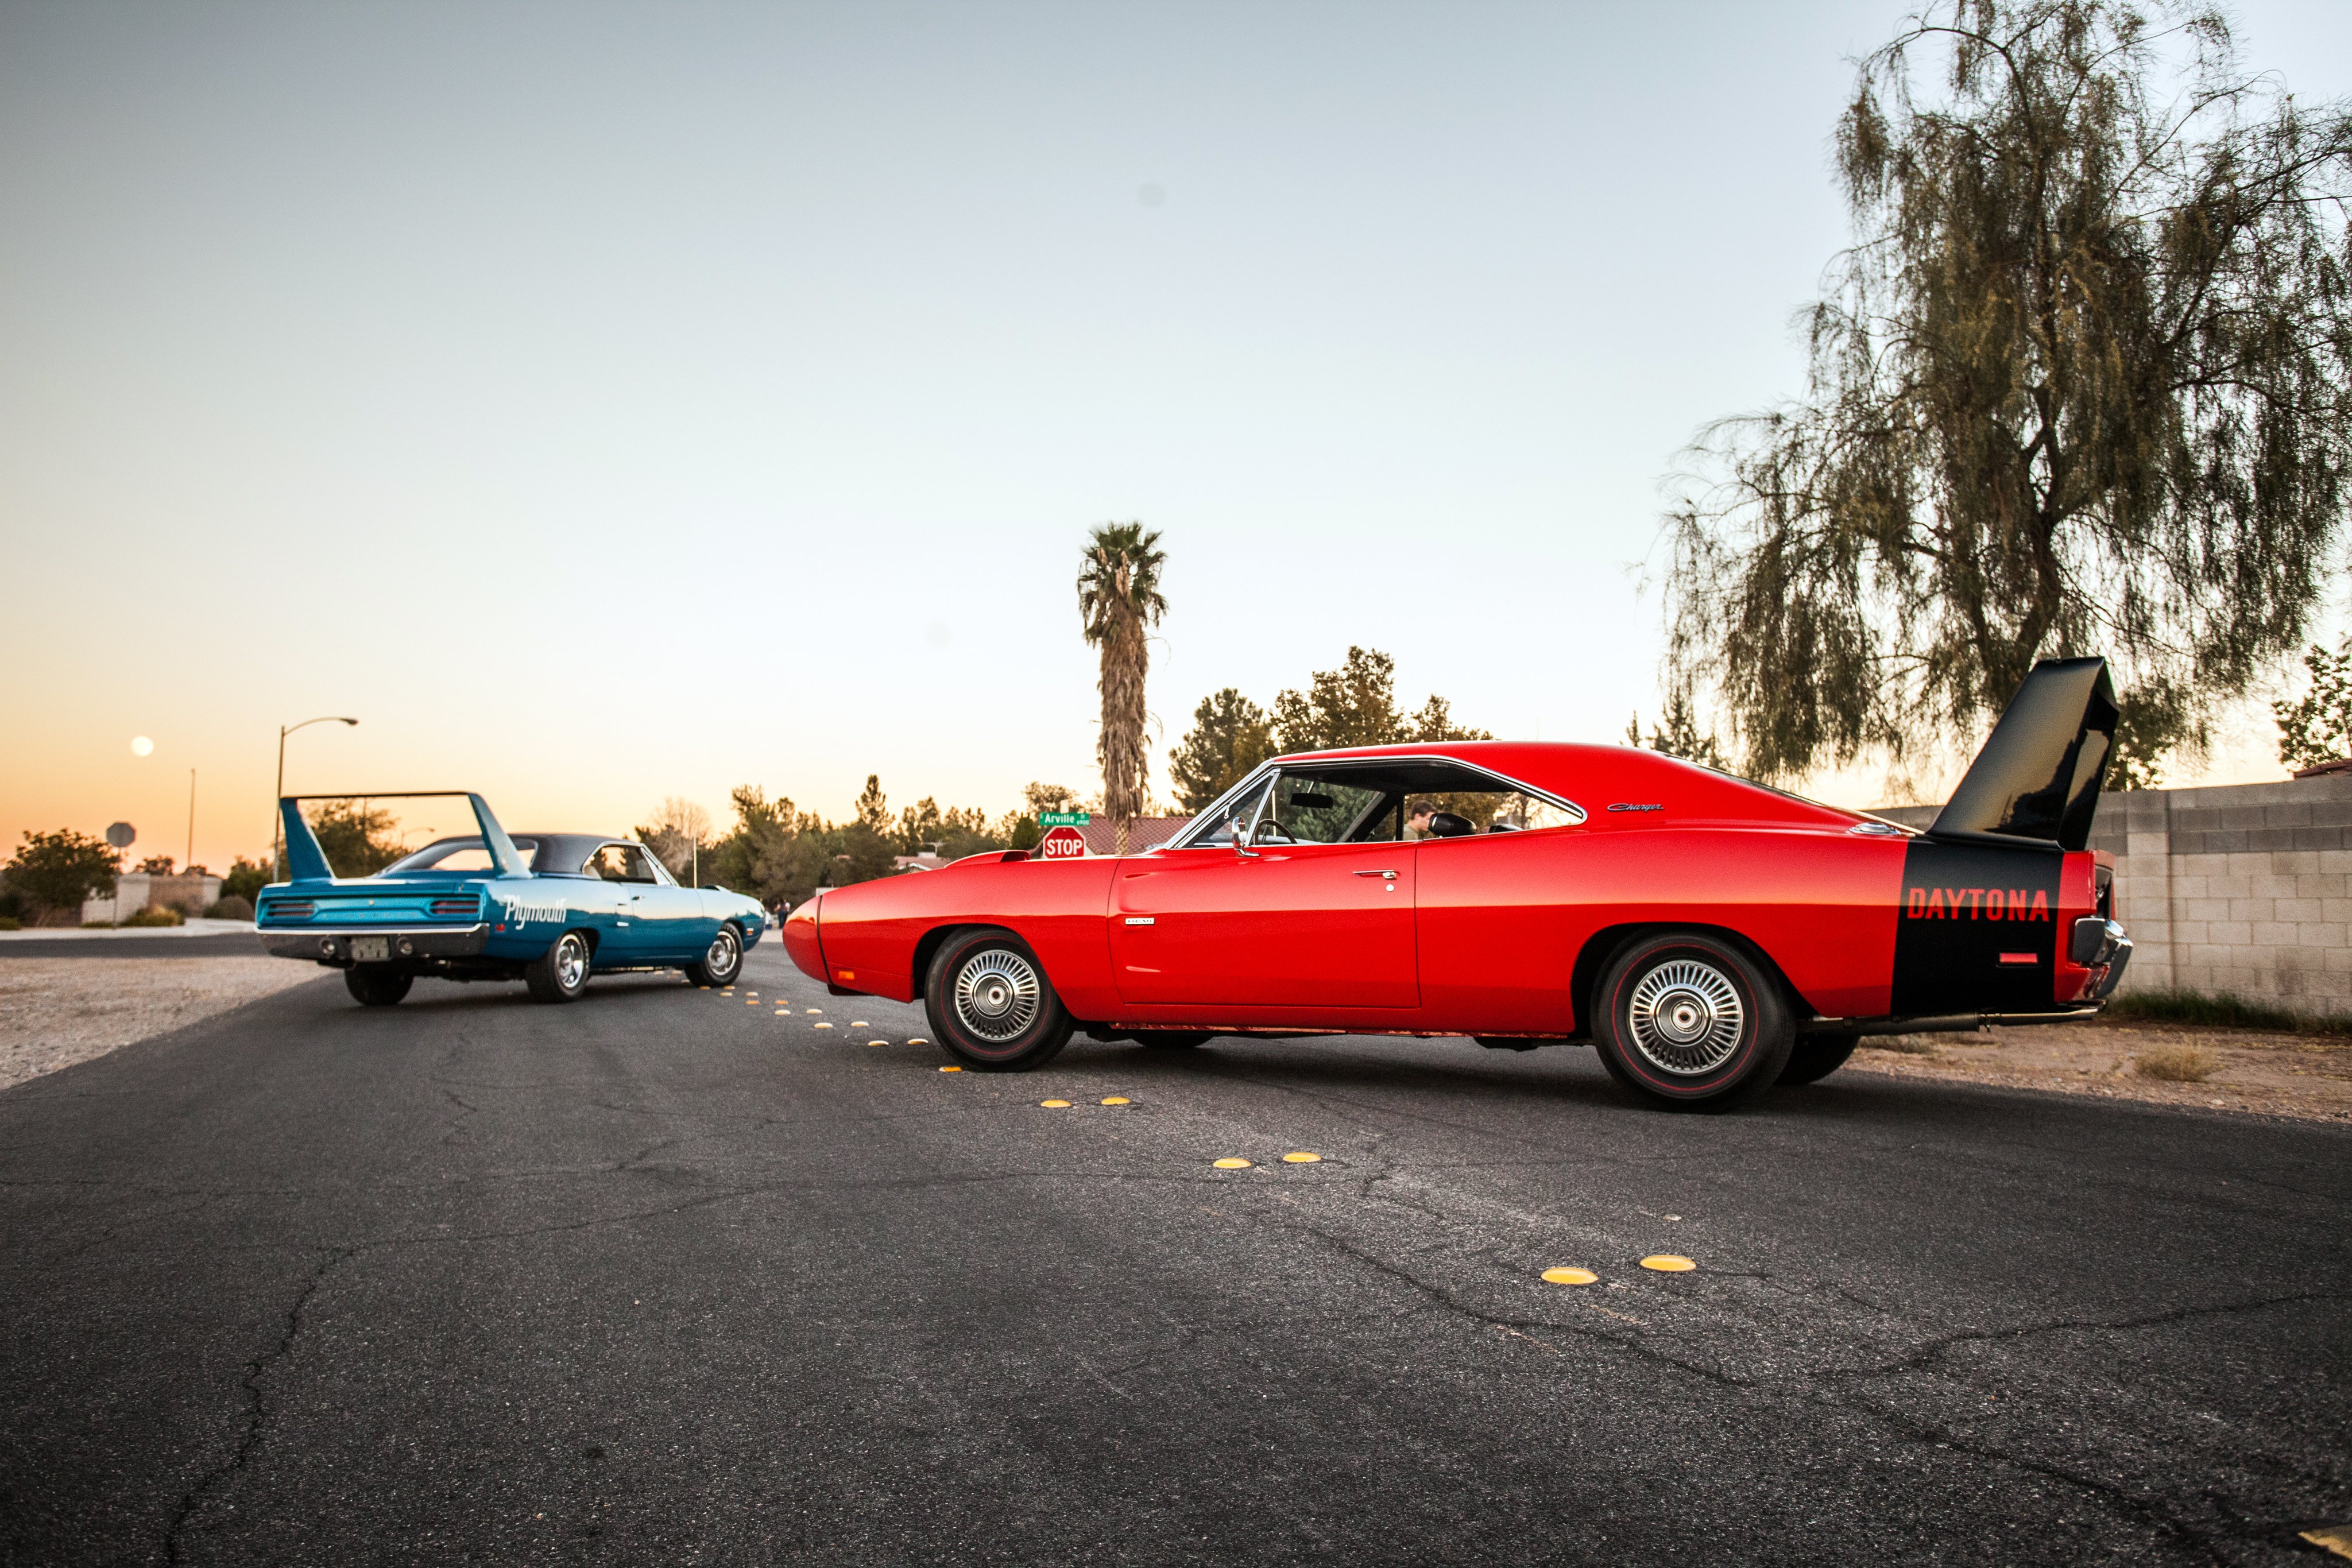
1688	1020
991	1006
560	973
721	962
375	985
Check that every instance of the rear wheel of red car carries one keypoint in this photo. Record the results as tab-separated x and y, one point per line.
560	973
721	962
1169	1039
1689	1019
991	1006
375	985
1817	1056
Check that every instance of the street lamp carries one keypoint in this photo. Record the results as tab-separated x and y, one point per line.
277	831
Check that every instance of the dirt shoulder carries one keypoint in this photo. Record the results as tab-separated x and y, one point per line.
2300	1075
55	1012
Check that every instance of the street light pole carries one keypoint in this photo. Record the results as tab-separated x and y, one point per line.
278	829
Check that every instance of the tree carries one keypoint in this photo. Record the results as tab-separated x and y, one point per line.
55	871
359	840
1118	602
246	878
157	865
1230	735
2317	728
678	834
1355	705
1681	737
2080	386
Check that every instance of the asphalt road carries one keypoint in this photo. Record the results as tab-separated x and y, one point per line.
666	1277
226	944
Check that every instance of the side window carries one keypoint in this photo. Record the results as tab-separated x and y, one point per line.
1308	809
620	862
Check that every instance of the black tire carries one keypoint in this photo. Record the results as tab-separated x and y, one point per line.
376	985
561	974
991	1006
1169	1039
1815	1057
722	962
1689	1021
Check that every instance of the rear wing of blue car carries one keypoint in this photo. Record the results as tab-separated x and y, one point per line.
305	861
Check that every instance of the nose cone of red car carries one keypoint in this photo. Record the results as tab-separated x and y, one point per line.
800	940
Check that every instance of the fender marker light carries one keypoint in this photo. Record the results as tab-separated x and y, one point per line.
846	974
2017	957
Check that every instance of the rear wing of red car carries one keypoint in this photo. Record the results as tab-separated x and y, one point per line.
305	861
2038	777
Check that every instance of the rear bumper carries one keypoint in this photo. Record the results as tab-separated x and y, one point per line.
332	945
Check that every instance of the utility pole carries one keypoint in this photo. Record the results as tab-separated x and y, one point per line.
192	821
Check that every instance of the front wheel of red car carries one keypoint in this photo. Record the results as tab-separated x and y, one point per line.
1688	1020
991	1006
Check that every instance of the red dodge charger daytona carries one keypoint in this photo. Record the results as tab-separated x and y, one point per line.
1708	935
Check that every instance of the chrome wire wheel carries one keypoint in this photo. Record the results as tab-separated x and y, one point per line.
997	995
1685	1017
571	961
726	952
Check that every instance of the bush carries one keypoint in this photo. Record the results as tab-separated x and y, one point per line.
229	908
10	922
58	871
2177	1063
2203	1009
164	916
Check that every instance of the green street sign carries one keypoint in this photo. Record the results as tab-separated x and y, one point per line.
1064	818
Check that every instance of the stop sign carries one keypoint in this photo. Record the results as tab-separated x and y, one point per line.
1062	844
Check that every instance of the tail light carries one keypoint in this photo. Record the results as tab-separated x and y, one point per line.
291	909
456	906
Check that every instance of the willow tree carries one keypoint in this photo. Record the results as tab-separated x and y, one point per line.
1118	602
2080	386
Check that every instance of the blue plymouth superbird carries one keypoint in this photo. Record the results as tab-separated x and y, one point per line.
549	909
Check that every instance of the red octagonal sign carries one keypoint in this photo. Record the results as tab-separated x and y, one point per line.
1062	844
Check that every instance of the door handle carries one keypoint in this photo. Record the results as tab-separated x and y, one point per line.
1388	874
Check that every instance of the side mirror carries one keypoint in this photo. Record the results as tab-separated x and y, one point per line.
1241	846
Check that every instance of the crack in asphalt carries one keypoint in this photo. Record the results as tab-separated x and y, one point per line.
257	1413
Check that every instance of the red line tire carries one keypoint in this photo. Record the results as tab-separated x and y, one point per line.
991	1004
1689	1021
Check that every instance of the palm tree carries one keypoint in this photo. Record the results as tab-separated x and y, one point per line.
1119	599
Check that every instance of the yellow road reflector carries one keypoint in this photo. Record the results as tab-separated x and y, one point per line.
1233	1165
1302	1158
2336	1538
1571	1276
1668	1263
1055	1104
1118	1100
950	1068
824	1026
918	1040
860	1023
812	1009
878	1042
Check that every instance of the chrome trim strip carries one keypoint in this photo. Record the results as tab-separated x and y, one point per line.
479	928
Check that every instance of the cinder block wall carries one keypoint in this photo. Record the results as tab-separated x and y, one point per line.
2245	888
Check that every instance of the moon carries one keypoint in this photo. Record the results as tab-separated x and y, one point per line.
141	746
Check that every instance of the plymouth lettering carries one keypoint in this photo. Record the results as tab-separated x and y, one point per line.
518	913
1975	903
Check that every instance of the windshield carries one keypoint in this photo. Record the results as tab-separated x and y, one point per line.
458	857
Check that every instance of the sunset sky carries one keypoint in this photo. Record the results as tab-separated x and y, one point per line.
606	403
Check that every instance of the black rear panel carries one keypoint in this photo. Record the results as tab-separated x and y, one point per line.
1964	906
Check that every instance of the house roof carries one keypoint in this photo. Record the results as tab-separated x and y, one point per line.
1143	833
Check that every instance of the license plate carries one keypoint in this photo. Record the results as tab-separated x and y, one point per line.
370	949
